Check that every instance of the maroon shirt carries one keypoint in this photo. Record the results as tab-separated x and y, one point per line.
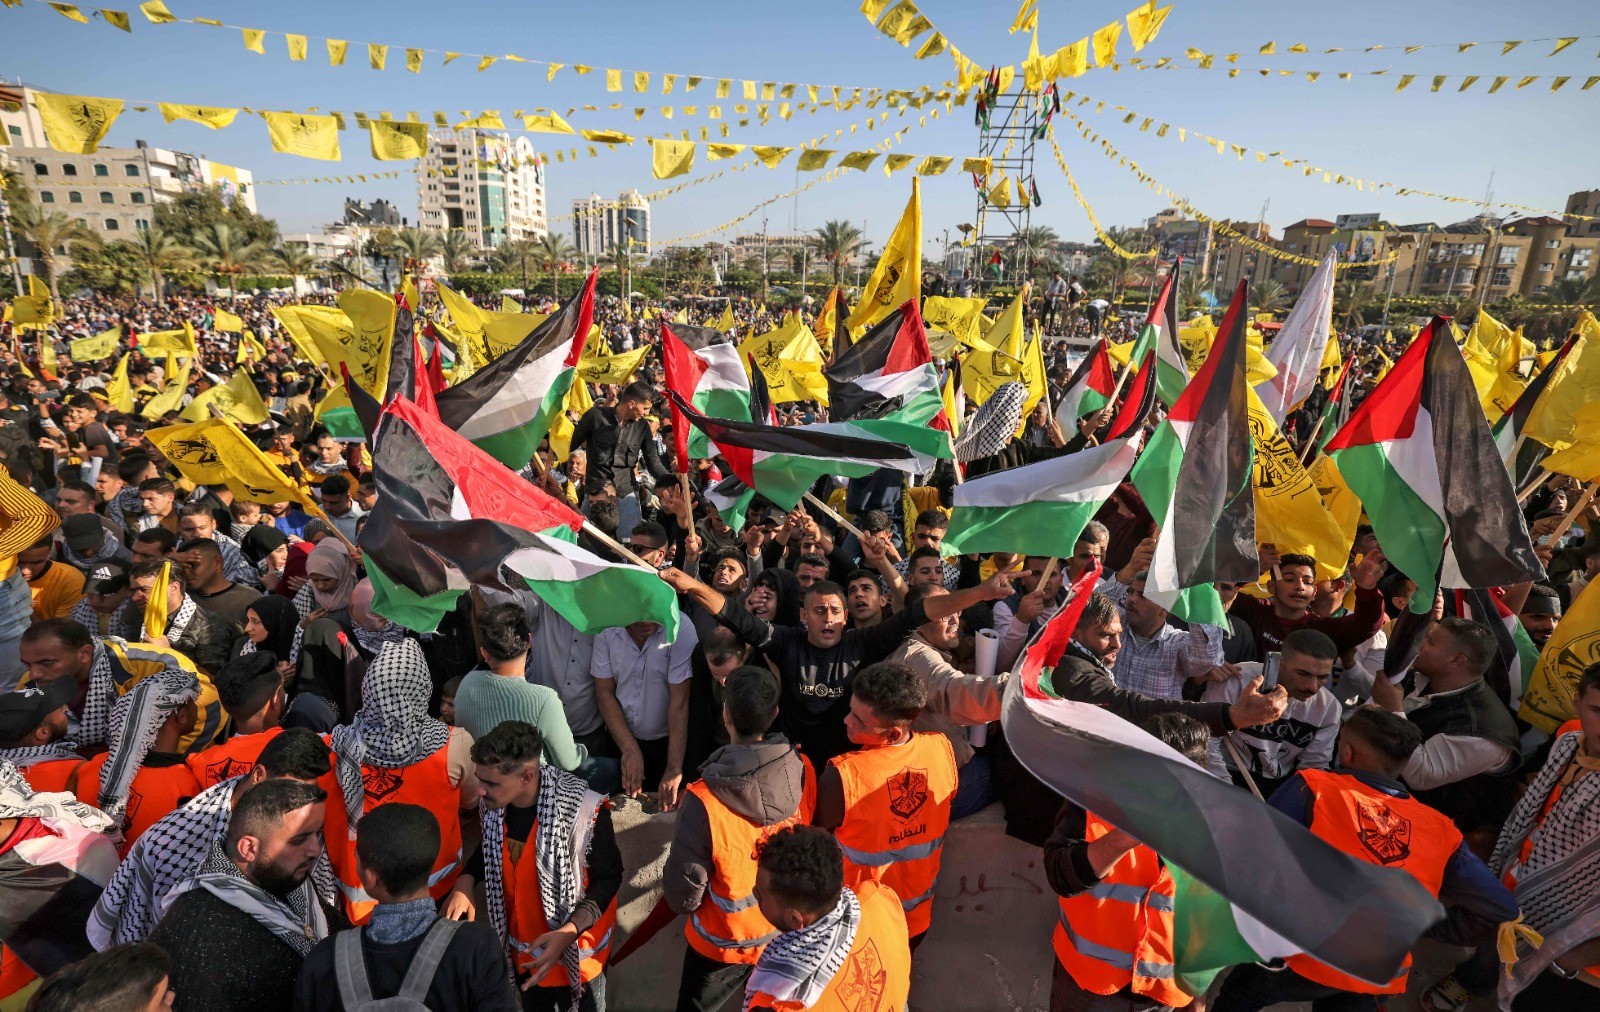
1346	631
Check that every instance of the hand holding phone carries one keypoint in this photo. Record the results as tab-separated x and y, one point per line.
1269	672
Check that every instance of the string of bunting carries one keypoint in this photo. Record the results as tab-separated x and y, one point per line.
1438	81
827	177
1088	211
1306	168
1507	46
1219	225
298	47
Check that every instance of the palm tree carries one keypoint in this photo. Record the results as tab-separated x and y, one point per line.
836	243
518	253
291	260
160	253
1352	299
227	251
1032	245
351	268
456	249
52	235
1191	297
552	251
1268	295
1574	291
413	247
1118	269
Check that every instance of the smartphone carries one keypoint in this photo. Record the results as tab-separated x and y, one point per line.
1269	671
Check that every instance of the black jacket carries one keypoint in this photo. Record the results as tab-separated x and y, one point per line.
472	974
614	450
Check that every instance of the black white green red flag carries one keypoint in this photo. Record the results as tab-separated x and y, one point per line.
888	373
1090	388
1160	334
703	366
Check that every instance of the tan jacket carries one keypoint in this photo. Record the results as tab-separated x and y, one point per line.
956	700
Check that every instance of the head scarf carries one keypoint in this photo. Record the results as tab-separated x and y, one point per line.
261	541
278	616
392	729
797	966
136	719
994	423
331	560
372	630
296	920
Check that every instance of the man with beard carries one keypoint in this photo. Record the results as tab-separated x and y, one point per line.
1541	611
33	734
239	930
1301	739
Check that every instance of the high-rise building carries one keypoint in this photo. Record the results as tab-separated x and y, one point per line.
485	183
599	224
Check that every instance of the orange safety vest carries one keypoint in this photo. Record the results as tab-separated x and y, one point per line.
1120	933
525	917
14	974
155	791
727	926
876	976
1379	829
52	775
426	783
233	758
897	808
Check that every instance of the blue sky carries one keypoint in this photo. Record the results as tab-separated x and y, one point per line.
1538	145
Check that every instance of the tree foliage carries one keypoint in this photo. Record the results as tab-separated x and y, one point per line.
188	215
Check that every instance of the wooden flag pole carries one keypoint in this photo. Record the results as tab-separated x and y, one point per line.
616	546
1049	568
1533	486
841	521
1243	767
1572	514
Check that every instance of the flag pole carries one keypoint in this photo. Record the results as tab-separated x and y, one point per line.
616	546
1572	514
841	521
1534	486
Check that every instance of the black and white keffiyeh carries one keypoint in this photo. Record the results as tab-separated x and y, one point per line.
18	800
392	729
94	725
993	424
297	920
566	810
798	965
128	622
136	719
249	646
22	758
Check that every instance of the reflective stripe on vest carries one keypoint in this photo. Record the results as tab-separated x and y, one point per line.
879	858
731	906
917	901
1117	958
727	943
529	949
1132	894
356	894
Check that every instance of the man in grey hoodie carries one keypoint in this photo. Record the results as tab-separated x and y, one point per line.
749	789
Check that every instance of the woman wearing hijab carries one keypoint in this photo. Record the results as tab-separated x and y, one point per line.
282	565
330	580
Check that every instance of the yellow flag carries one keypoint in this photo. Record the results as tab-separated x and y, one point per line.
897	279
551	124
119	392
294	133
37	307
398	142
1144	22
70	12
337	48
509	305
215	452
93	349
214	117
468	322
812	159
297	47
1033	375
155	607
238	400
170	398
561	426
726	322
365	350
606	136
377	55
1027	19
961	318
1571	648
1105	44
254	40
671	158
997	359
1575	383
1000	193
1073	60
76	124
1289	512
226	322
1494	355
791	361
1336	495
1581	457
297	322
608	368
934	165
156	12
770	157
179	342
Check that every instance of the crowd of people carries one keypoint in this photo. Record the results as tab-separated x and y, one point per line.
279	798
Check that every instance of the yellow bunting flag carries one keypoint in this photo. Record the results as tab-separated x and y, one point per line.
76	124
294	133
1027	19
70	12
717	152
1105	43
377	55
897	278
212	116
93	349
117	19
1073	60
414	60
156	12
254	40
394	142
238	400
336	52
861	160
812	159
551	124
156	605
671	158
297	47
770	157
225	322
934	165
1144	22
606	136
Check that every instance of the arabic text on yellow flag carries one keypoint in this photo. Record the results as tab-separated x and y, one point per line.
155	607
226	322
238	400
770	156
215	452
551	124
366	347
484	335
1576	382
671	158
897	279
214	117
295	133
76	124
1571	648
1290	513
961	318
1494	354
398	142
297	321
608	368
37	307
1105	43
169	399
791	361
179	342
93	349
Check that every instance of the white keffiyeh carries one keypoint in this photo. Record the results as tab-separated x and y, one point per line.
797	966
993	424
392	729
18	800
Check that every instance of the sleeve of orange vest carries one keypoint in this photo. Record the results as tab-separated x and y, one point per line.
688	870
829	813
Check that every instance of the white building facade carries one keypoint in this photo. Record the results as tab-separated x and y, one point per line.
485	183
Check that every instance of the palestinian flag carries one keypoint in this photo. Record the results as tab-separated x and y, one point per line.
52	872
703	367
1160	334
1194	475
449	516
731	498
1515	656
1511	424
1089	389
1336	406
1040	509
1419	454
506	406
1252	884
783	462
889	373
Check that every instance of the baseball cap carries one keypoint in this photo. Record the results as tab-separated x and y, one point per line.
24	709
83	532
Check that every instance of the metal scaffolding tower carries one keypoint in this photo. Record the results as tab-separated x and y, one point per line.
1008	144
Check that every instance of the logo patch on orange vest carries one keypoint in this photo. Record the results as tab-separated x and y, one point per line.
908	792
863	980
228	768
1385	834
380	783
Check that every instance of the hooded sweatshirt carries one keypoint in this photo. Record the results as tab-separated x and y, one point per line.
761	782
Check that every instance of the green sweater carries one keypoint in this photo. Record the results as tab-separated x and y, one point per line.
484	699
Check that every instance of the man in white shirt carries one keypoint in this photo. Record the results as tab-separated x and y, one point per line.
1156	658
1303	738
340	506
641	686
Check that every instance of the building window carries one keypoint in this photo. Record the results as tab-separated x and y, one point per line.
74	197
1580	257
102	170
1546	268
1552	244
142	225
1501	278
1508	254
138	198
41	169
15	131
69	169
106	197
111	225
47	197
130	170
